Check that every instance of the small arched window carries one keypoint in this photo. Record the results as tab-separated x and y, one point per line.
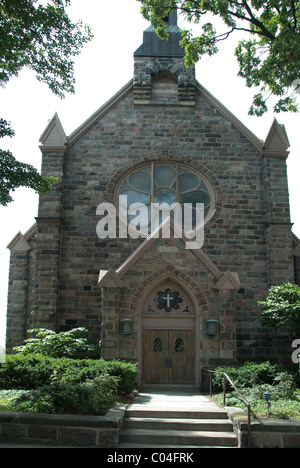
179	345
164	87
157	345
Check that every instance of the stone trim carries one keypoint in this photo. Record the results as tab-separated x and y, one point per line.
147	244
109	279
265	433
169	272
277	142
53	138
230	117
228	281
62	429
19	243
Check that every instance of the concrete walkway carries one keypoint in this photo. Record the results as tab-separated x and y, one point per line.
173	399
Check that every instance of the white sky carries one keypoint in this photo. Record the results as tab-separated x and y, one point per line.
104	66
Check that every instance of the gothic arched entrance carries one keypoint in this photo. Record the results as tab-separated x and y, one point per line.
168	336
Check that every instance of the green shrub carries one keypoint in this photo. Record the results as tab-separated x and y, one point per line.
73	343
25	372
91	397
281	307
255	379
125	371
247	374
30	372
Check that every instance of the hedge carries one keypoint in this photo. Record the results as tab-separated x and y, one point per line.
34	371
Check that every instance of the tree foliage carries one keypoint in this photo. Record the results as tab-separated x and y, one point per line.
281	307
268	59
39	36
14	174
42	38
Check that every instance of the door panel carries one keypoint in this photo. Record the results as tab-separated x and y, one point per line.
154	354
168	356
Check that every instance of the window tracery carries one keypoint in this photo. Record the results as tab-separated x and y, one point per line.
165	182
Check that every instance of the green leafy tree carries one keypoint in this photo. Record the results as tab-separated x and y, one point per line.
14	174
40	37
281	307
269	58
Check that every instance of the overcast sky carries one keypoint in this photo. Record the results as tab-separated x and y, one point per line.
104	66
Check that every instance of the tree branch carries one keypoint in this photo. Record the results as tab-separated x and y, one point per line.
264	31
294	14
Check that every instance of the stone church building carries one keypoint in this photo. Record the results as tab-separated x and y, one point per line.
174	310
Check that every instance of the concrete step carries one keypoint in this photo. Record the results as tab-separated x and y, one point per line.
178	424
174	419
178	438
152	412
174	447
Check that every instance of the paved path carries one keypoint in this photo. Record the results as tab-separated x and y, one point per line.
173	399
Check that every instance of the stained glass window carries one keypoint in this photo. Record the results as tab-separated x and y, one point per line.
170	183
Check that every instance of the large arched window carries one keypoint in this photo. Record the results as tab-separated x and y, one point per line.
165	182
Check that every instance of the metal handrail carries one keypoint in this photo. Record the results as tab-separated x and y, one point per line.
239	394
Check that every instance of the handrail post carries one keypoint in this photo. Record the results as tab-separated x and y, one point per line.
226	377
249	425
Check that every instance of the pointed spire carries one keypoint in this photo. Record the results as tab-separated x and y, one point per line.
277	142
54	135
154	47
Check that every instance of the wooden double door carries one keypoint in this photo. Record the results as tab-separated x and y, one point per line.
168	357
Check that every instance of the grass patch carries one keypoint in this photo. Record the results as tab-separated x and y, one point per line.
7	398
283	408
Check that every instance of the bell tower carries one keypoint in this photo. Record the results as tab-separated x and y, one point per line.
163	60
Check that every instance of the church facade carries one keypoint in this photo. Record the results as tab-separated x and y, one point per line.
174	307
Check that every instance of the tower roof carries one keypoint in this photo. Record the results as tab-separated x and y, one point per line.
154	47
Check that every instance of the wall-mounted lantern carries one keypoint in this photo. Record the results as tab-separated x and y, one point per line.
126	326
212	327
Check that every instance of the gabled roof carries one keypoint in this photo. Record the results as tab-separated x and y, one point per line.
100	112
230	117
52	137
110	278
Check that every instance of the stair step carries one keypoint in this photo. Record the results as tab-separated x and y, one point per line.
177	438
178	424
173	413
148	446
